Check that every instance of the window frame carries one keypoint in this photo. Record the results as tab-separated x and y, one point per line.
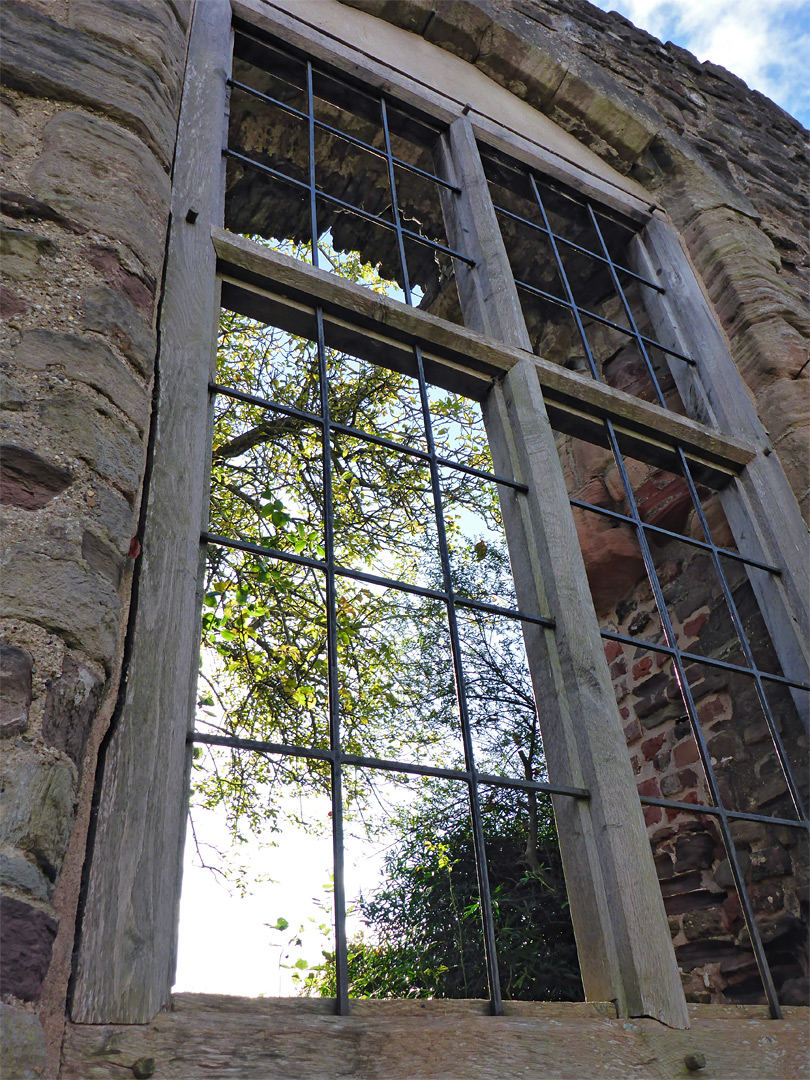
128	942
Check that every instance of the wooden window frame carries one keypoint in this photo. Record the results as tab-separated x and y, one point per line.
127	946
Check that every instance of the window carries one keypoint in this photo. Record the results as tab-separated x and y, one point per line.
355	169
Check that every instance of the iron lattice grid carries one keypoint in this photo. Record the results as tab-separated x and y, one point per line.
539	222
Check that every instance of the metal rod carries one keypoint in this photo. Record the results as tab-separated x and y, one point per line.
358	433
348	207
677	660
575	246
321	124
574	307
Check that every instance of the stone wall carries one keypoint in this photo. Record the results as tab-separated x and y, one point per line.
90	99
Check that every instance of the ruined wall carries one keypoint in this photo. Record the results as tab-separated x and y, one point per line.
90	99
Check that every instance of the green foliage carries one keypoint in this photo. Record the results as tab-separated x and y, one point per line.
264	670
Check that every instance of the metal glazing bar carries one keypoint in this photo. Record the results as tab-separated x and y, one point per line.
358	433
677	660
709	661
284	750
692	541
348	207
720	811
573	306
773	729
373	579
479	847
322	125
576	247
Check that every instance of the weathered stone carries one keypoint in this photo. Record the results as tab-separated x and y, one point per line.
11	304
109	312
36	814
411	16
772	862
79	173
27	480
27	935
44	58
102	558
82	427
22	1044
19	874
126	281
19	205
708	951
704	923
22	252
64	597
771	929
12	397
694	851
85	360
15	689
70	709
700	899
111	518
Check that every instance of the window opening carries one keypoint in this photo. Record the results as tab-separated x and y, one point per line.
692	654
312	153
360	190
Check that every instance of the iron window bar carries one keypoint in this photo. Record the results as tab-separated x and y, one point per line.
691	540
358	433
721	811
577	247
709	661
386	764
459	599
322	125
667	626
348	207
571	305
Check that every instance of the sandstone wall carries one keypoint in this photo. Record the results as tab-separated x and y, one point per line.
90	99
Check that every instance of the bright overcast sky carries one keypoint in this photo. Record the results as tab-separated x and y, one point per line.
765	42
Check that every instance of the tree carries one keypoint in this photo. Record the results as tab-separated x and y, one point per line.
265	667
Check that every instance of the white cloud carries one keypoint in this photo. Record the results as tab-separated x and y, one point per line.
765	42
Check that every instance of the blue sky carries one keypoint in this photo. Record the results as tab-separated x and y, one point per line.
765	42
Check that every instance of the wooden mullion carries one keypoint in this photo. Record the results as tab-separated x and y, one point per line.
623	938
127	954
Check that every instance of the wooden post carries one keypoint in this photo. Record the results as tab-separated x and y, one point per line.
760	506
127	953
623	938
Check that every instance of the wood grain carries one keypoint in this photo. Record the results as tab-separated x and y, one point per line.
233	1038
125	965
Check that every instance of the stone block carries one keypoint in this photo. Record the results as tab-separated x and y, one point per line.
27	935
457	27
102	558
22	1044
27	480
21	875
85	360
705	923
64	597
515	63
36	814
19	205
124	279
70	708
46	59
80	172
22	252
694	851
12	397
15	689
412	16
81	427
110	312
11	305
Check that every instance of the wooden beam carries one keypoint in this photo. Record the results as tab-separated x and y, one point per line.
281	290
237	1038
623	940
126	959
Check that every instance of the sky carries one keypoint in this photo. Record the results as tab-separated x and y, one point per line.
765	42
